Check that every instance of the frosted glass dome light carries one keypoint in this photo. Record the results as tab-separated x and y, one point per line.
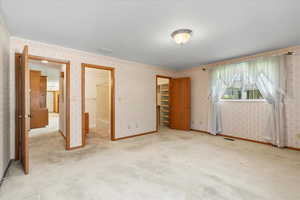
182	36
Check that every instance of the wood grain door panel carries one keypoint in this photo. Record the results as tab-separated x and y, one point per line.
38	95
180	104
25	73
43	91
34	98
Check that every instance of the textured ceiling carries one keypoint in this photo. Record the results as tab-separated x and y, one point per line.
139	30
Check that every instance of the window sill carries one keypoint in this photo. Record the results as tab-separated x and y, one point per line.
243	100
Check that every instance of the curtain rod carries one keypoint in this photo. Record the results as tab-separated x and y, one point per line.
254	56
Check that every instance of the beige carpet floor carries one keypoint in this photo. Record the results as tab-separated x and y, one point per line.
167	165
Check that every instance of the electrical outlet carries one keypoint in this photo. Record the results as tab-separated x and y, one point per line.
200	122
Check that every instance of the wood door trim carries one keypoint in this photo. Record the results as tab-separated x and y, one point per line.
112	110
156	107
53	60
161	76
17	103
18	108
68	106
97	66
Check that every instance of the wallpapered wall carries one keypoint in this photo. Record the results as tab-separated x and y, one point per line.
246	119
293	101
4	97
130	99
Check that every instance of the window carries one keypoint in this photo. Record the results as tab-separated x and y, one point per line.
242	88
238	93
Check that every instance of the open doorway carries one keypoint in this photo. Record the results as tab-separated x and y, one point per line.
173	103
47	99
97	104
42	106
163	101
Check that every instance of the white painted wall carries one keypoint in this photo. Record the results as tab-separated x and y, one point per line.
5	102
130	99
246	119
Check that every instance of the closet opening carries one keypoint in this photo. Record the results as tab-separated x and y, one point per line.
163	91
98	123
173	103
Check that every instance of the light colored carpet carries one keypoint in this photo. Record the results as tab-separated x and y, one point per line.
168	165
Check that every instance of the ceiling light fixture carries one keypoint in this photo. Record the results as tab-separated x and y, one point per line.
44	61
182	36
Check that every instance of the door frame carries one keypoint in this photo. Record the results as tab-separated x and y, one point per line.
156	90
18	99
112	99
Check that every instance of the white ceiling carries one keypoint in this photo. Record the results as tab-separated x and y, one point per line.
139	30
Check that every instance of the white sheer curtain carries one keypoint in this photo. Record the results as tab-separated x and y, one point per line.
270	76
267	75
223	77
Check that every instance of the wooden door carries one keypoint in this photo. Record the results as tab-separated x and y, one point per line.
180	103
35	80
38	92
43	91
25	102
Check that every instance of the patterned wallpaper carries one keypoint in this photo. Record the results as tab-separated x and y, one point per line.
4	97
130	99
246	119
293	101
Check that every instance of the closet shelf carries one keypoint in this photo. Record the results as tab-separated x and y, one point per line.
164	104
